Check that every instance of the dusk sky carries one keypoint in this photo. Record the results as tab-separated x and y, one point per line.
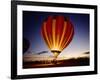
32	23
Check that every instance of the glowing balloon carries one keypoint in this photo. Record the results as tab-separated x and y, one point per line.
57	31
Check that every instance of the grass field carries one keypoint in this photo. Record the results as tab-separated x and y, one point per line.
81	61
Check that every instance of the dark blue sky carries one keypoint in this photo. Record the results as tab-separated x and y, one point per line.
32	22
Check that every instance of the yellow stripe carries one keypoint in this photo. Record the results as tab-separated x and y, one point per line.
62	37
50	38
47	39
64	44
57	41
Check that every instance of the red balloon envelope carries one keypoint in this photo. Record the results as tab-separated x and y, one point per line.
57	31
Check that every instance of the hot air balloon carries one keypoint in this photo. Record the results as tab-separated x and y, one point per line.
57	32
26	45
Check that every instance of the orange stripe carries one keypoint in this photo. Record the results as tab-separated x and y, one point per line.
53	33
62	37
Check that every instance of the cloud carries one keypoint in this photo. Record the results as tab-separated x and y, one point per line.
86	53
42	52
34	53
